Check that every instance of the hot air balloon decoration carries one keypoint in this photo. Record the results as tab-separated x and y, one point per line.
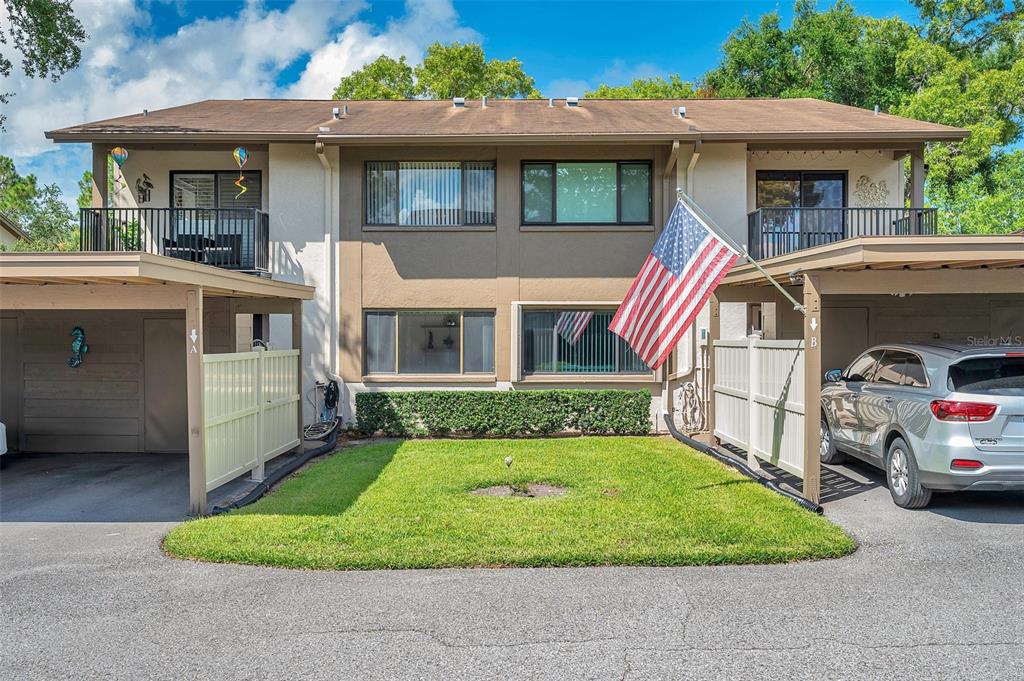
241	158
120	155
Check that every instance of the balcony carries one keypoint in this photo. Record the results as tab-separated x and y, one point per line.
232	238
777	231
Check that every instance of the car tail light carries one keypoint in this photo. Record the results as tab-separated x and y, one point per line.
966	463
948	410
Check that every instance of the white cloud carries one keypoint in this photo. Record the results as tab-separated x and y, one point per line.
124	69
425	22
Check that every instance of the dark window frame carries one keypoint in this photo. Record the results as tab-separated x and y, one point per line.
398	194
216	184
618	193
799	176
620	342
462	312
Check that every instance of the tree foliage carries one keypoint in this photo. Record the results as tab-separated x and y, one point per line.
453	70
38	209
646	88
47	35
383	78
962	64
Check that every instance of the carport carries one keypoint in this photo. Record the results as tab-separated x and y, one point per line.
149	381
857	293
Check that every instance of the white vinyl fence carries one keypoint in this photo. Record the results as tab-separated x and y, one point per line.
759	399
250	405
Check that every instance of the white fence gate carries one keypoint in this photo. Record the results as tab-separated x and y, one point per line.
759	399
250	411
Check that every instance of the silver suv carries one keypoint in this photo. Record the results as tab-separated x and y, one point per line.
932	416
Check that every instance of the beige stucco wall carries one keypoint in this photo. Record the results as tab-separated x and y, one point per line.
488	267
302	239
875	164
158	161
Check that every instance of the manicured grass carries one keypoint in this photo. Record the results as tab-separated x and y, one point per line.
631	501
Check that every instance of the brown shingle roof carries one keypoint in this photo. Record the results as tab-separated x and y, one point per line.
710	119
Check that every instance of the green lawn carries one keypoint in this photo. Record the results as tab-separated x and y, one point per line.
632	501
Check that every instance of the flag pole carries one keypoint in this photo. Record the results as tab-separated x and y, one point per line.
741	250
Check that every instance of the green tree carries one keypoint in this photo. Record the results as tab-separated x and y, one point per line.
39	210
85	190
383	78
990	203
454	70
646	88
47	35
462	70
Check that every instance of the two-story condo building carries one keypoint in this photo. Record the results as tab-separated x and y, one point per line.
447	239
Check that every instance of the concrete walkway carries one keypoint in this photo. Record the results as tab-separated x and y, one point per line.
930	594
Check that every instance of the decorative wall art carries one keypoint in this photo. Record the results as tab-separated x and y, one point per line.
871	194
78	347
120	155
143	188
241	158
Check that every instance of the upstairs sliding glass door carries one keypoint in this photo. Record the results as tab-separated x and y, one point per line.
801	208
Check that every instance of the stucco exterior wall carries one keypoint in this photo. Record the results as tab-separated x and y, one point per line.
303	233
159	162
877	165
490	268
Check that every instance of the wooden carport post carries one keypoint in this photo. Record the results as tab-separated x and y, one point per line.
194	373
812	388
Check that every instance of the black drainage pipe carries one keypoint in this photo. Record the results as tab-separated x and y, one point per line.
741	467
275	477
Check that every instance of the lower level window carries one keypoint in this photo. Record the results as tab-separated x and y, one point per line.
429	342
575	342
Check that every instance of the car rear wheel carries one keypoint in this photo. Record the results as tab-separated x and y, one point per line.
902	476
829	453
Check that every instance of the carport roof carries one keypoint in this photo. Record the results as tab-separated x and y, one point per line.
888	253
112	269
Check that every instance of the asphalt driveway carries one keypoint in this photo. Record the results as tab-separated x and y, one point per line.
930	594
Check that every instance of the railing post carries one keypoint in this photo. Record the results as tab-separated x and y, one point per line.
753	388
258	471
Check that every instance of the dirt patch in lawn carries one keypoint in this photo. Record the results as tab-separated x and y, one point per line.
532	489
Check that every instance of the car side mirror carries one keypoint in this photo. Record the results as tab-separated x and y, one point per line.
834	375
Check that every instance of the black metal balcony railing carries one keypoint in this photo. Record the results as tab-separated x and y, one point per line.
232	238
777	231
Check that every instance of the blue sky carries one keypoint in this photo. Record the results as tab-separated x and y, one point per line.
153	53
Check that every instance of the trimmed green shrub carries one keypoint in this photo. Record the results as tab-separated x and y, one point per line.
504	413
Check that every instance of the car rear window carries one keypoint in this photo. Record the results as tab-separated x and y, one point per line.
992	375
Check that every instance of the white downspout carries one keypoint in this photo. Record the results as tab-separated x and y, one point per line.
330	340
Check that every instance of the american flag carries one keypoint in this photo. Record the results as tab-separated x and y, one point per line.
676	280
571	325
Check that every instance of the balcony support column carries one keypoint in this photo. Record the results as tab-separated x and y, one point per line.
98	239
917	186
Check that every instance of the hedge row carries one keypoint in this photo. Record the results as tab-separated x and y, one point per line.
504	413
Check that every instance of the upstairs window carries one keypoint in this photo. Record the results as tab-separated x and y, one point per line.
586	193
430	193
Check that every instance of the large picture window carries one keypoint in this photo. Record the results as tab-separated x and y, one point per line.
430	193
429	342
575	342
586	193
